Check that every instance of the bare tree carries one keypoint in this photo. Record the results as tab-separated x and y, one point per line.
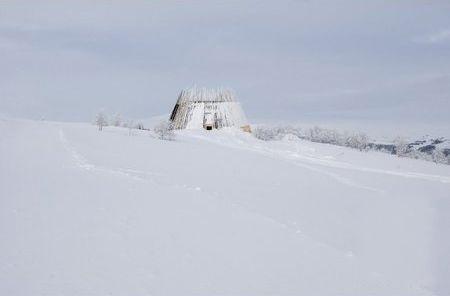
101	120
164	130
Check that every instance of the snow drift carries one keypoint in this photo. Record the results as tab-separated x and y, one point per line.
85	212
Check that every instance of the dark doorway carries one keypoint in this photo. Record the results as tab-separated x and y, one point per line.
174	112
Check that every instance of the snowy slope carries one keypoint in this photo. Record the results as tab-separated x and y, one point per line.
85	212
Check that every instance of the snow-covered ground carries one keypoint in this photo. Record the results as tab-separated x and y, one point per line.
84	212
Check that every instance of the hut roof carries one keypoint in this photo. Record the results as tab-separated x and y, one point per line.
198	95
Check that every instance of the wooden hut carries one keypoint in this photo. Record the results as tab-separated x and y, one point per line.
209	109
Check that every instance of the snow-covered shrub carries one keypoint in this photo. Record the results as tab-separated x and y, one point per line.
317	134
130	125
265	133
438	156
164	130
314	134
416	154
289	130
328	136
117	120
101	120
358	141
322	135
139	126
401	146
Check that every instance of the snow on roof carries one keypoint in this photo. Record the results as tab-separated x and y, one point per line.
195	94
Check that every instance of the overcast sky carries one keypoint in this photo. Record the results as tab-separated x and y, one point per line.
65	60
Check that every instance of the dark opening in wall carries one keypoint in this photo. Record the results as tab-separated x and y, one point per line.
174	112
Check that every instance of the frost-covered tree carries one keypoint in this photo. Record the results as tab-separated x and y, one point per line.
265	134
101	120
322	135
129	125
117	120
139	126
164	130
401	146
438	156
357	141
416	154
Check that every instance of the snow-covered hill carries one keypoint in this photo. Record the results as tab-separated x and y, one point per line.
85	212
